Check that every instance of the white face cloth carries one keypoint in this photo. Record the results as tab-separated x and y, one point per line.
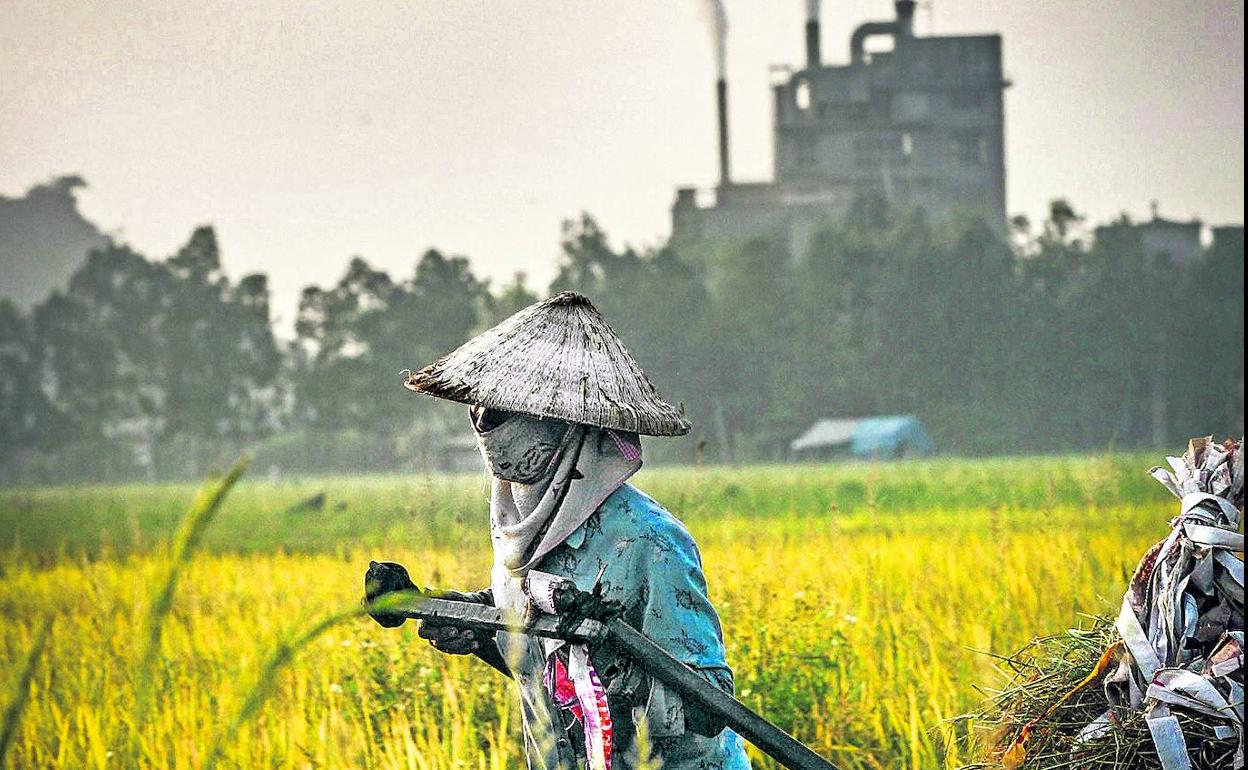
573	468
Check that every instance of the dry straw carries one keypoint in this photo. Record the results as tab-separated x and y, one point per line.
557	358
1160	687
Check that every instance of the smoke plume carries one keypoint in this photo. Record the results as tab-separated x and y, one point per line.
717	24
812	10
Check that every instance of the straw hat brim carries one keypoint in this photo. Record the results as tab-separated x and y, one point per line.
559	359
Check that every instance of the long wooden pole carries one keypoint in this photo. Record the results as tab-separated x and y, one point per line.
656	661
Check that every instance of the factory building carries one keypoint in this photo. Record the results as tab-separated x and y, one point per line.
1177	242
1180	244
921	124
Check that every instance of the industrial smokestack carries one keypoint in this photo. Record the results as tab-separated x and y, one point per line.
721	103
901	29
814	56
905	18
717	24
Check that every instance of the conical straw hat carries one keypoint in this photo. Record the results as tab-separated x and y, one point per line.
557	358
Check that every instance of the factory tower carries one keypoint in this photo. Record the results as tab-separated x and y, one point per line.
922	124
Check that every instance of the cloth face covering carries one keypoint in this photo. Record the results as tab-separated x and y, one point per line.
521	448
549	477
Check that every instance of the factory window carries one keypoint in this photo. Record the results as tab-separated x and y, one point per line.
802	95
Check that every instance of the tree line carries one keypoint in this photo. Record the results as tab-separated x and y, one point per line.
1045	341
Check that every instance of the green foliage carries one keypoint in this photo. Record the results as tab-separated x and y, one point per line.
354	339
511	299
23	407
144	369
1047	346
150	350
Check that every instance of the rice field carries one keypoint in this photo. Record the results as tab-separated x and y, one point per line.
859	602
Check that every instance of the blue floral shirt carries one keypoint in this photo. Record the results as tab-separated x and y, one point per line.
649	563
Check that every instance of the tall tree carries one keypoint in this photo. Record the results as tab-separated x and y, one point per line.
354	338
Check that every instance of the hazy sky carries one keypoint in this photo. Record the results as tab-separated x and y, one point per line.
311	131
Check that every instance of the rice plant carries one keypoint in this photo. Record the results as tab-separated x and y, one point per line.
859	627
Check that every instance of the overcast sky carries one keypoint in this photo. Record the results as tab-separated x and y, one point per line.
311	131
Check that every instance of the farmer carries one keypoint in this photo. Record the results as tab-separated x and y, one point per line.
557	404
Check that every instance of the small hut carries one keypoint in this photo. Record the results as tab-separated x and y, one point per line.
867	438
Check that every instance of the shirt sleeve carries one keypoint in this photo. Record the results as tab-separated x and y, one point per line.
678	616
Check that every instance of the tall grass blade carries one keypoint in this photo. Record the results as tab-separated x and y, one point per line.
281	657
21	690
191	530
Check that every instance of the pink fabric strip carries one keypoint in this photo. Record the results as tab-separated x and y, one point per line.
593	700
577	688
630	451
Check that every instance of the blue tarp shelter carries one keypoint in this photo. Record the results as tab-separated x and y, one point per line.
880	437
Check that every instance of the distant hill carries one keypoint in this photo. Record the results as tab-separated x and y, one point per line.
43	239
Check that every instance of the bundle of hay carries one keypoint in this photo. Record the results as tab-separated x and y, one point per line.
1161	686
